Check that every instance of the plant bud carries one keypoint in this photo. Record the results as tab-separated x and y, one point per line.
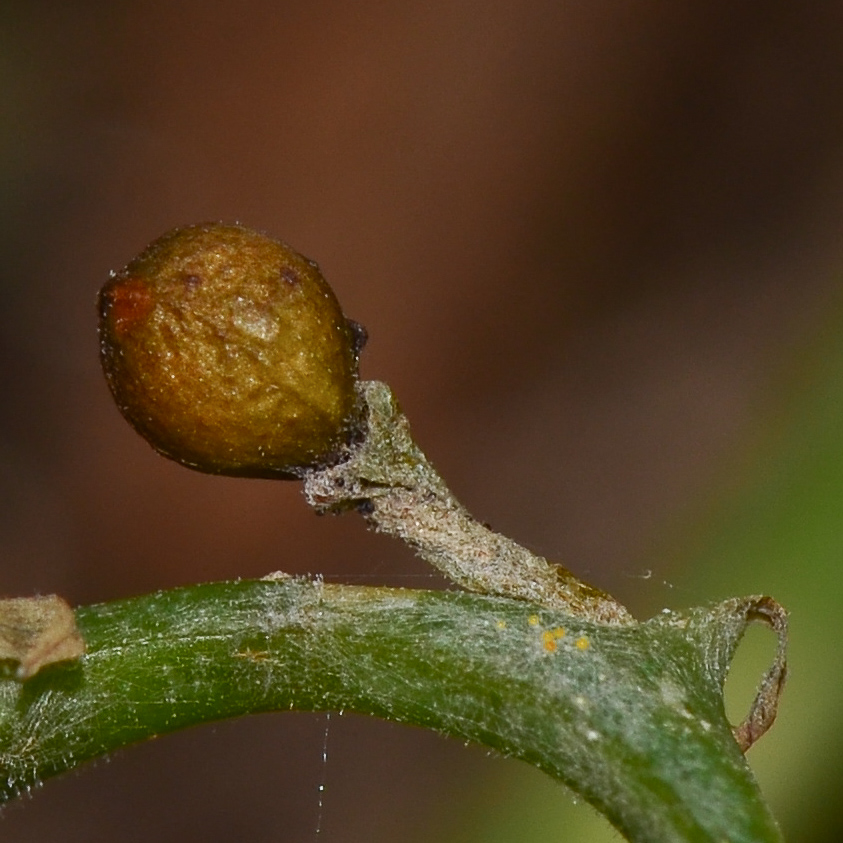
229	353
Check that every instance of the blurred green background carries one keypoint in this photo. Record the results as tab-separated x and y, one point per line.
597	248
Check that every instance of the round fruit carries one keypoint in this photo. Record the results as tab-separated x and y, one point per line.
229	353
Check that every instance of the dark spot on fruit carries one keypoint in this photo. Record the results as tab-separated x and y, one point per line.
360	334
365	507
191	282
289	275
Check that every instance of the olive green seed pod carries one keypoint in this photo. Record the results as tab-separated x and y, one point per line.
229	353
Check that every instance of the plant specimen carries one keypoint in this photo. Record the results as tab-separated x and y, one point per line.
229	353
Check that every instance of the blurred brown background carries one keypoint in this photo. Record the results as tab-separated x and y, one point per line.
581	235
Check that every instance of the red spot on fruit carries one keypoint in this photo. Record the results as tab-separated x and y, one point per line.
127	302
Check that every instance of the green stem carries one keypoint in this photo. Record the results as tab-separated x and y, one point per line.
631	717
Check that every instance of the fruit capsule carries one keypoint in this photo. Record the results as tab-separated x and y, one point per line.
228	351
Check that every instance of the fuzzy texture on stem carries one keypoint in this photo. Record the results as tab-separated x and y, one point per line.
387	478
630	717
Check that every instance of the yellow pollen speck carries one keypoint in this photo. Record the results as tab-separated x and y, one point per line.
533	620
558	632
582	643
252	655
549	641
501	624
